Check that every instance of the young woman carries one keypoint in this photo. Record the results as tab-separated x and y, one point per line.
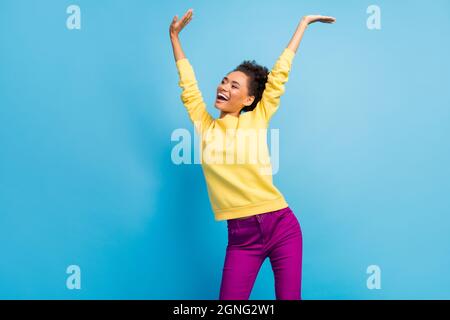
260	222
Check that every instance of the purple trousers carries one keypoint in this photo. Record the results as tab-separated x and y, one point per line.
251	240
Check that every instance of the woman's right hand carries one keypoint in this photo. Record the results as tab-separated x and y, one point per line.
177	25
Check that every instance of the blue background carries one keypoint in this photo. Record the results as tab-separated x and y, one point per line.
86	176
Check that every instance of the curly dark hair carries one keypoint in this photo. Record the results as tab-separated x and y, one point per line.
258	77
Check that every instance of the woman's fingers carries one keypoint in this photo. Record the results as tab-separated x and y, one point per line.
326	19
178	24
320	18
187	19
329	19
174	20
187	14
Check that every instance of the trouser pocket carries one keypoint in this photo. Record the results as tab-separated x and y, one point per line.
243	235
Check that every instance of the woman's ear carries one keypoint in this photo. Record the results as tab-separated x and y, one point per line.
249	101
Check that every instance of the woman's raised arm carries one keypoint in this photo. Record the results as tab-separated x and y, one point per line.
279	74
175	28
303	24
191	95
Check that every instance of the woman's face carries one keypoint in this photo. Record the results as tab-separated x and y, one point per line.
232	93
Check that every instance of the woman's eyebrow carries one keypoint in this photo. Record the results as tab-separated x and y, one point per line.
226	78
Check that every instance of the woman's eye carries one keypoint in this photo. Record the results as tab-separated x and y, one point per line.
234	87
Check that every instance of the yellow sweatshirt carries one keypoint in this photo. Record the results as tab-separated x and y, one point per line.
234	152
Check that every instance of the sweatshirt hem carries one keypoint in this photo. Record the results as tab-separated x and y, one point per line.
250	210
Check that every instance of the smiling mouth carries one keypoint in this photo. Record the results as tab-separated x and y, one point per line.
221	98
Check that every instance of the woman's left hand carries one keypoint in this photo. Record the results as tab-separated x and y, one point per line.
317	18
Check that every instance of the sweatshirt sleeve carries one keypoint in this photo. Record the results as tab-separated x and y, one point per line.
191	96
275	85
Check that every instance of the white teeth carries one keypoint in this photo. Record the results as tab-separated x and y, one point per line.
222	95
